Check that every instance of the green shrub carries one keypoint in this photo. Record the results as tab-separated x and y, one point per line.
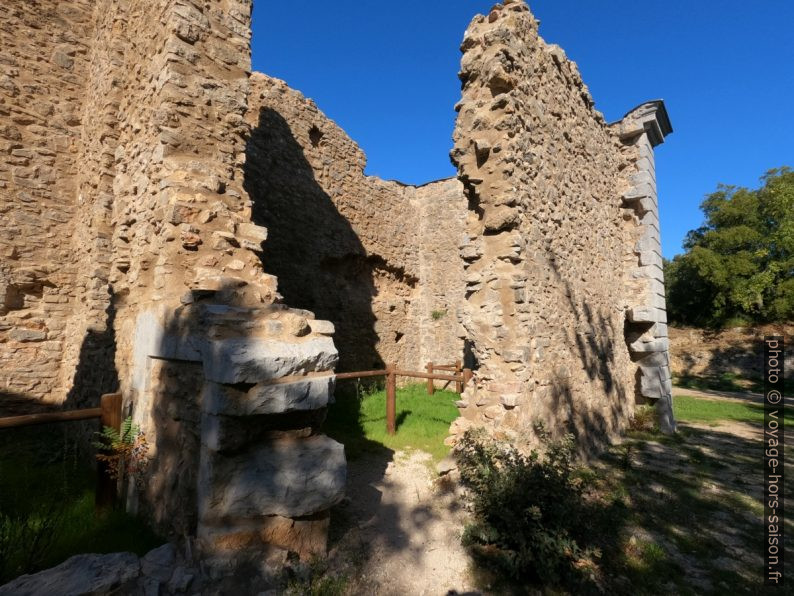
529	511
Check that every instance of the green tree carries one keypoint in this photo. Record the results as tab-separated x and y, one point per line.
739	266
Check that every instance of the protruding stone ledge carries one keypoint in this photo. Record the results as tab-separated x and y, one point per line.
309	394
250	360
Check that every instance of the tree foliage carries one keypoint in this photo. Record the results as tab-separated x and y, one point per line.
739	266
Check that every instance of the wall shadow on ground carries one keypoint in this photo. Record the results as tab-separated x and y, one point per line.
312	248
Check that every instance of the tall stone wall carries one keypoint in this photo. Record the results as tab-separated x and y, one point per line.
160	289
43	74
377	258
547	292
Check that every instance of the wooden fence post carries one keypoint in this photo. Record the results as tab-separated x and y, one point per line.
391	399
110	406
467	374
458	370
431	388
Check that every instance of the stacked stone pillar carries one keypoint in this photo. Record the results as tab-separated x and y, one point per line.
642	129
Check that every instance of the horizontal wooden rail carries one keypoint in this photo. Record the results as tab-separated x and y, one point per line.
108	413
47	417
421	375
391	373
358	375
445	367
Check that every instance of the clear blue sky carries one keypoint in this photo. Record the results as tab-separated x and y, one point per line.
386	72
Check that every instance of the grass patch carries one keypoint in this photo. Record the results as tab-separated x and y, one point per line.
695	409
359	420
47	505
726	381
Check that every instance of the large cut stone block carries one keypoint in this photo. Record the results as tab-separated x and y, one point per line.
290	477
275	398
646	314
251	360
655	382
655	345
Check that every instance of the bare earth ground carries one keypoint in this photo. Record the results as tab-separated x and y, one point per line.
692	524
398	532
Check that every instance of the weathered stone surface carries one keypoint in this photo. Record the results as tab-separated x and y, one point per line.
589	268
81	574
383	266
159	563
244	360
275	398
290	478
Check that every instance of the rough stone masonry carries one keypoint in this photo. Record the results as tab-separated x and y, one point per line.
152	188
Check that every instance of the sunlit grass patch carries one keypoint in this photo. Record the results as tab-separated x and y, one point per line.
359	421
696	409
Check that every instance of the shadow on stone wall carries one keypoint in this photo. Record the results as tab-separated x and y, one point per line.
95	375
96	372
594	338
319	260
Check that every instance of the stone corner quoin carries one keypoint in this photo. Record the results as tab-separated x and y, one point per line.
204	240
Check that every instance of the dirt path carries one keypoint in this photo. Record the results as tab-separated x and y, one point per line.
399	530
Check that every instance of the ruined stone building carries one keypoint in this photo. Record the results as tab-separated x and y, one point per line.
205	240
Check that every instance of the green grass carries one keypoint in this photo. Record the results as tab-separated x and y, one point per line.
47	505
694	409
726	381
359	421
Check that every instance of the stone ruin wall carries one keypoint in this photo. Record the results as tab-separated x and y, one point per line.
122	130
43	74
141	166
550	241
375	257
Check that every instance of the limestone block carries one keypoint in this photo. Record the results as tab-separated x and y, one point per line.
321	327
251	360
645	314
277	398
650	257
500	218
26	335
638	192
509	400
81	574
655	382
252	232
655	345
292	478
652	359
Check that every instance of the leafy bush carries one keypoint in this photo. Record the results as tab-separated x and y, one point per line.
529	510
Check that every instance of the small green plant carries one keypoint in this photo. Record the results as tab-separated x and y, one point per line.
529	511
437	315
124	451
644	418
